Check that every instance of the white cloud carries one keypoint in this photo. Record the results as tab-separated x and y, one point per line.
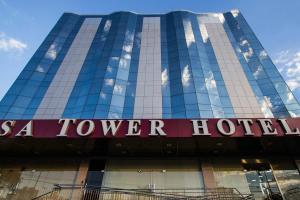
235	13
265	107
109	82
244	42
204	33
288	63
293	114
40	69
164	77
127	48
189	42
127	56
290	97
51	55
186	76
10	44
118	89
293	69
258	72
102	95
107	25
293	83
52	52
248	54
263	54
210	82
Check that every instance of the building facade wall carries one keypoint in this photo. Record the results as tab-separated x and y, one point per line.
125	65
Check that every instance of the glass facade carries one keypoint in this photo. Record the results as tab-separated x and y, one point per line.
126	65
229	173
29	179
286	174
27	92
260	178
153	174
270	82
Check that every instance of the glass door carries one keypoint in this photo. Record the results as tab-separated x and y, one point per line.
261	181
152	174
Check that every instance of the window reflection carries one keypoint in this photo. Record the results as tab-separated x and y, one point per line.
35	179
287	174
158	174
230	174
260	177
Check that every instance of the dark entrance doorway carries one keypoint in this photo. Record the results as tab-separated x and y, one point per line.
94	179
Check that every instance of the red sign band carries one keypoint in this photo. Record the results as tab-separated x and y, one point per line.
96	128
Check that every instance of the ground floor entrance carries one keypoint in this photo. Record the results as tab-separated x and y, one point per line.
91	178
150	169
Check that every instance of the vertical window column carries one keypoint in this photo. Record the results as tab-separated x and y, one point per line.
132	79
218	95
84	97
282	101
57	95
242	97
176	88
119	90
256	89
24	97
192	73
112	95
109	62
165	76
148	102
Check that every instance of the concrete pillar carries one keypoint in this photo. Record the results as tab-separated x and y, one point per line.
82	172
208	174
80	180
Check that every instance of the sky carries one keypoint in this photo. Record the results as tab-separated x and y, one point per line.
24	24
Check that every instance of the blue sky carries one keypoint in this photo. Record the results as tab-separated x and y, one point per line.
25	23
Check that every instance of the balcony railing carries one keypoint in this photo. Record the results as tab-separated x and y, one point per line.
66	192
293	193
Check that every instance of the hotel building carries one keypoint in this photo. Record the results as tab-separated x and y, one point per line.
169	70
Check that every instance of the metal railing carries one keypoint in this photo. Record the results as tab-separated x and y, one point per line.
77	192
293	193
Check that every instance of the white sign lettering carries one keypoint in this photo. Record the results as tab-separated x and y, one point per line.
156	128
89	123
112	127
7	127
26	130
200	125
133	128
230	125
